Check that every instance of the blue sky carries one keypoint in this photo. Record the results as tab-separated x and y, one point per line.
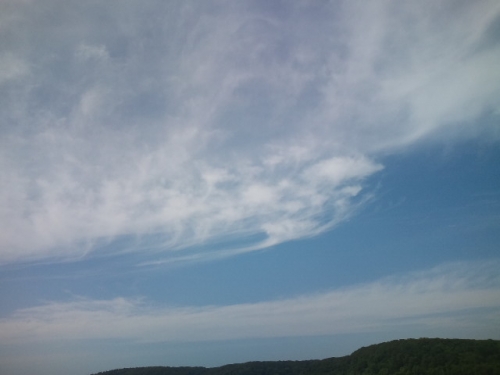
202	183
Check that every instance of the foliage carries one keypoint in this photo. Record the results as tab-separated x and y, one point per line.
400	357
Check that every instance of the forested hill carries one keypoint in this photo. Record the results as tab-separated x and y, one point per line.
412	356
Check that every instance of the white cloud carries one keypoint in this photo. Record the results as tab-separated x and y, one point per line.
88	52
11	68
460	296
202	124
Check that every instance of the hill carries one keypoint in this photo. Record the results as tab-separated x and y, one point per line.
400	357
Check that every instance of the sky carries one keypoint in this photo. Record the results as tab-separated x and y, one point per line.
199	183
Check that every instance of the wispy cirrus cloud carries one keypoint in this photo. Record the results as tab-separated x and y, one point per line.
453	299
198	123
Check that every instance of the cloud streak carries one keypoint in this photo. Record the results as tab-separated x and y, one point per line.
196	124
457	297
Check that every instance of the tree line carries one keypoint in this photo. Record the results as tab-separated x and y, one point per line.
399	357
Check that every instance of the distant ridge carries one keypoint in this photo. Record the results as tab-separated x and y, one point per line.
399	357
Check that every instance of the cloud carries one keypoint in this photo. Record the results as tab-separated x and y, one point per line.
460	297
197	124
11	68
